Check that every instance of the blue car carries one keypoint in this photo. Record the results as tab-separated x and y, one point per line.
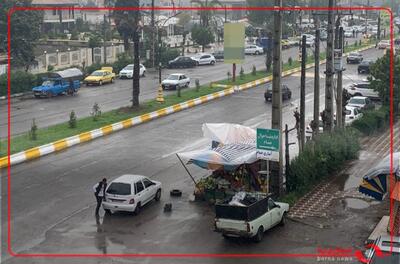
61	82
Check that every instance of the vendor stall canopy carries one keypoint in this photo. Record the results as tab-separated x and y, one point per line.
231	146
73	73
376	181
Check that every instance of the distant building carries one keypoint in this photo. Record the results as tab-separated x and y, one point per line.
58	20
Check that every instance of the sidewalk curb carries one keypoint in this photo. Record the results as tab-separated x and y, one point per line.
65	143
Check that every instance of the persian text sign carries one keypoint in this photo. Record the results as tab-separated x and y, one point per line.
268	144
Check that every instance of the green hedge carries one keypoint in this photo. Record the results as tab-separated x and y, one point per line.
20	82
373	121
321	157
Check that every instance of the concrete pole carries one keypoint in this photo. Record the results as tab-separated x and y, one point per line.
339	99
303	93
329	72
104	39
276	89
152	50
316	82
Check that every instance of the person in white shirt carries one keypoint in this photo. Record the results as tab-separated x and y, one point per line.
99	190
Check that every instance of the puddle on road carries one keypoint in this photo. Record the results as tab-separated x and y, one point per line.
356	203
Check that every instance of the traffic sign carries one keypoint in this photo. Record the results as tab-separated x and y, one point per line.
268	144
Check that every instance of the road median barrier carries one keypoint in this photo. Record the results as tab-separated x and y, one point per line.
62	144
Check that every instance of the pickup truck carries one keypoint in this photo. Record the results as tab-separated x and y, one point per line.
61	82
251	220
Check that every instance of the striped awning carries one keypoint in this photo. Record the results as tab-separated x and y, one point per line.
376	181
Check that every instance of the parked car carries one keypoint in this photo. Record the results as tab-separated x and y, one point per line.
354	57
384	44
348	34
352	114
253	50
127	72
286	93
182	62
361	102
384	250
364	66
362	89
218	55
130	193
174	81
250	219
309	131
61	82
285	44
99	77
204	59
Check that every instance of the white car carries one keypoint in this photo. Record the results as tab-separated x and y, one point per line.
362	89
174	81
352	114
204	59
361	102
309	131
384	44
348	34
130	192
309	36
253	50
127	72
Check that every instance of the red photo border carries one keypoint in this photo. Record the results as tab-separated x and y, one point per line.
188	255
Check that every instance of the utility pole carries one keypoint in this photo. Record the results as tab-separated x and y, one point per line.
152	50
379	26
303	92
276	181
315	122
104	39
136	38
339	94
328	124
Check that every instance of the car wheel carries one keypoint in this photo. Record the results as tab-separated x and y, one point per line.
260	234
212	62
290	96
87	84
283	219
226	236
108	211
187	84
50	94
100	83
158	195
143	75
257	53
137	209
70	91
197	63
112	80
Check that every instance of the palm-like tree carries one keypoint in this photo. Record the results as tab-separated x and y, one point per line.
206	15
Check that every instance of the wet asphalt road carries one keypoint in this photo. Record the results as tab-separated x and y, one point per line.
112	96
53	205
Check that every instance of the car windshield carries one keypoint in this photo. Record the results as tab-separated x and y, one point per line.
119	188
177	58
128	68
348	112
173	77
356	101
365	62
97	73
48	83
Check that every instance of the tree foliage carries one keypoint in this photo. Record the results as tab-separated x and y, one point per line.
380	79
25	30
202	36
125	20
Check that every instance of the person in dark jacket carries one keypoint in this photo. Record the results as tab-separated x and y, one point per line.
99	190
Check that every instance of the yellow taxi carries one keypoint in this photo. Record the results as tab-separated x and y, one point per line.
285	44
99	77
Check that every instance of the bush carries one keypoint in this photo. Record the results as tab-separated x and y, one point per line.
33	131
20	82
241	73
92	68
72	120
254	70
290	61
321	157
373	121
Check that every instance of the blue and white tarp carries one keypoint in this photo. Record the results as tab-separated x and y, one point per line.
233	146
376	181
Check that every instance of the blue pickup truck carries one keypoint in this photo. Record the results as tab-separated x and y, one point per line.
61	82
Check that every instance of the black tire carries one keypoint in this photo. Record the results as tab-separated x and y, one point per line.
143	75
226	237
87	84
212	62
50	94
112	80
100	83
158	195
257	53
187	84
260	234
283	219
137	209
70	91
290	96
108	211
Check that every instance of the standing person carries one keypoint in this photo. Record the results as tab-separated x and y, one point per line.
99	190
